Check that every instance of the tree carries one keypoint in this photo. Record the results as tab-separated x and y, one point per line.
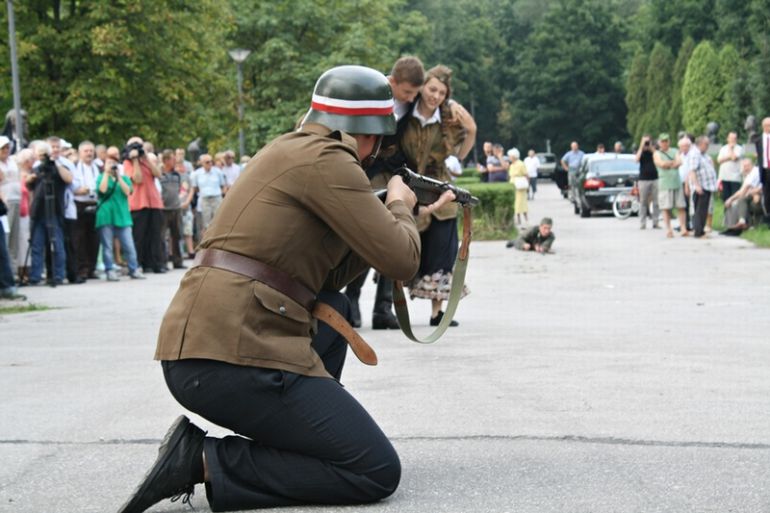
677	80
672	21
759	26
729	116
701	92
569	77
730	16
108	70
658	86
636	94
294	41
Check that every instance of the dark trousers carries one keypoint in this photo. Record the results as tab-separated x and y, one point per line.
69	229
766	194
701	212
307	440
86	240
688	222
172	224
729	188
7	283
147	240
383	299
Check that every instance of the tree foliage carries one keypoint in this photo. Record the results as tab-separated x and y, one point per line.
293	42
677	81
658	86
702	90
569	85
108	70
636	94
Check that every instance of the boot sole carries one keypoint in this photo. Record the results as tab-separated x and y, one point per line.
170	441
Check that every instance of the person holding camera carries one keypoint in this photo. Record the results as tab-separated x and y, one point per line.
86	241
146	206
648	183
50	179
113	219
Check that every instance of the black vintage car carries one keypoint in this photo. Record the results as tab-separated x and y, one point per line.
600	178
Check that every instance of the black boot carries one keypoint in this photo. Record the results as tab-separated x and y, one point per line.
177	469
355	314
434	321
384	321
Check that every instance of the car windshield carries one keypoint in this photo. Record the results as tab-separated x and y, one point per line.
614	166
546	159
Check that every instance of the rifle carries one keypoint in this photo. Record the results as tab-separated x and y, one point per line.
428	190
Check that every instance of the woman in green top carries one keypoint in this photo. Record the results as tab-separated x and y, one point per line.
113	219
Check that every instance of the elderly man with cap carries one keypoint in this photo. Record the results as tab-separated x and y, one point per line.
239	345
670	194
538	238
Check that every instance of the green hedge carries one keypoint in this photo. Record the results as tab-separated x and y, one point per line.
493	218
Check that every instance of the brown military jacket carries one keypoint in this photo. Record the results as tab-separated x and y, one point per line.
304	206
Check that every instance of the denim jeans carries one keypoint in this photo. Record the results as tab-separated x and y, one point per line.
107	233
39	242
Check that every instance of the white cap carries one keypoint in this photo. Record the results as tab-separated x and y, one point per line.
4	141
64	145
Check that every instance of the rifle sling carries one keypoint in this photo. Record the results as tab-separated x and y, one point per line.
455	293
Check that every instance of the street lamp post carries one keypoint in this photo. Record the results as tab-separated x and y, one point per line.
15	77
239	55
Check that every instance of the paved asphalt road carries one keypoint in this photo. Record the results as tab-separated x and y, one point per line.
625	373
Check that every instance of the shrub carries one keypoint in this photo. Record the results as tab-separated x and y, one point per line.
493	218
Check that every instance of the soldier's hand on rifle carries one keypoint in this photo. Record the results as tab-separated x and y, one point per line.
446	197
398	190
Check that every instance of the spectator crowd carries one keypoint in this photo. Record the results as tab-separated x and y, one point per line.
74	214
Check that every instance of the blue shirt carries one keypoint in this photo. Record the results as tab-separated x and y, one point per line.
573	158
209	183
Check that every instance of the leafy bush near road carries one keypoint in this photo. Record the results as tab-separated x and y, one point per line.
493	218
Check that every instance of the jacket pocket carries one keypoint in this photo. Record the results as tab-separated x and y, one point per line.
279	303
276	328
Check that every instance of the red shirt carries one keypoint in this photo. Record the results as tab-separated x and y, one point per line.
145	194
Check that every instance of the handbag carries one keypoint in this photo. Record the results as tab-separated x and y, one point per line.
3	208
520	183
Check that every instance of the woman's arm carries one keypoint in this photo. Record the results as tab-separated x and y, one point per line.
466	121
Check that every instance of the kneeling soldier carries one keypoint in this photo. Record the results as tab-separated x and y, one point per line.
238	344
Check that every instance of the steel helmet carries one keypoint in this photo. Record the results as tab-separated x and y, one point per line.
353	99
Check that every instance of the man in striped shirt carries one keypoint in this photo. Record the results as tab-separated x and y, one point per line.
703	179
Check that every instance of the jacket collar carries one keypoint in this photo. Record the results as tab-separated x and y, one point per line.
324	131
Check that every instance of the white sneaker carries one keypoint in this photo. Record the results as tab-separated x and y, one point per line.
112	275
137	275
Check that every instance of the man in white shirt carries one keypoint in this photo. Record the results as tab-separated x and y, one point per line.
729	160
745	204
763	161
85	236
532	163
231	170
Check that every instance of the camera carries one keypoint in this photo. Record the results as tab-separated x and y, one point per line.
139	147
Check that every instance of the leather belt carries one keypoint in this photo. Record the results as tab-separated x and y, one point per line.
256	270
288	286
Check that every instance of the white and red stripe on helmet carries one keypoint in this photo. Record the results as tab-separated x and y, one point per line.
352	107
